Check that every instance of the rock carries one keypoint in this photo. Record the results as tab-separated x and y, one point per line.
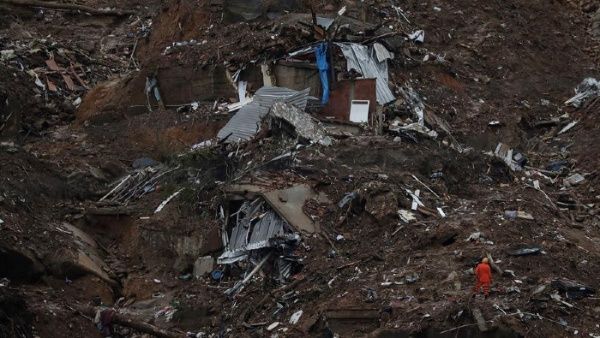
113	169
182	264
381	201
189	245
97	174
203	265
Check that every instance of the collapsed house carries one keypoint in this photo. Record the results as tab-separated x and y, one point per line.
265	228
258	234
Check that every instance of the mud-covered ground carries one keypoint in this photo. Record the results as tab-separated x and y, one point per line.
62	150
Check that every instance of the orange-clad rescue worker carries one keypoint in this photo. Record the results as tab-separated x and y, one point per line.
483	277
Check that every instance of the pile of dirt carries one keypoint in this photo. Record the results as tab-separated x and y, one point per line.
116	208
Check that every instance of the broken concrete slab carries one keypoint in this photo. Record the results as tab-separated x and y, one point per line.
80	259
190	245
304	125
203	266
288	203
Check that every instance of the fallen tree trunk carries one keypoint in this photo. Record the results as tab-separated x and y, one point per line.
71	7
123	320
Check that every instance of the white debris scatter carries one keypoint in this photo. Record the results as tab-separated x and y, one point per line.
296	317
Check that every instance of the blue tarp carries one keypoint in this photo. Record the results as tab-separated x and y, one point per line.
321	54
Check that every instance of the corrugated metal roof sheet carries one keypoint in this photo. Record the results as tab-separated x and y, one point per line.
246	237
270	226
246	122
364	60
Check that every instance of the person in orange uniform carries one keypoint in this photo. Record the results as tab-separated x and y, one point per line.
483	277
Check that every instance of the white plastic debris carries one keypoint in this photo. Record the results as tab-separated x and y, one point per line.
574	179
165	202
203	144
441	212
342	11
77	101
296	317
406	216
39	83
568	127
416	201
273	326
474	236
417	36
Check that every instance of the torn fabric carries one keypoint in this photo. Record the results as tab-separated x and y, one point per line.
321	54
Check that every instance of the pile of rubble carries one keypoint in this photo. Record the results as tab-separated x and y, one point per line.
294	168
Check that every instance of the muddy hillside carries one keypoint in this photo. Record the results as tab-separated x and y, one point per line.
299	168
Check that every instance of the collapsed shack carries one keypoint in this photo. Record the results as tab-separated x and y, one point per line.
255	236
246	122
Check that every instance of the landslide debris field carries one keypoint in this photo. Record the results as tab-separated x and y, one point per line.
229	168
